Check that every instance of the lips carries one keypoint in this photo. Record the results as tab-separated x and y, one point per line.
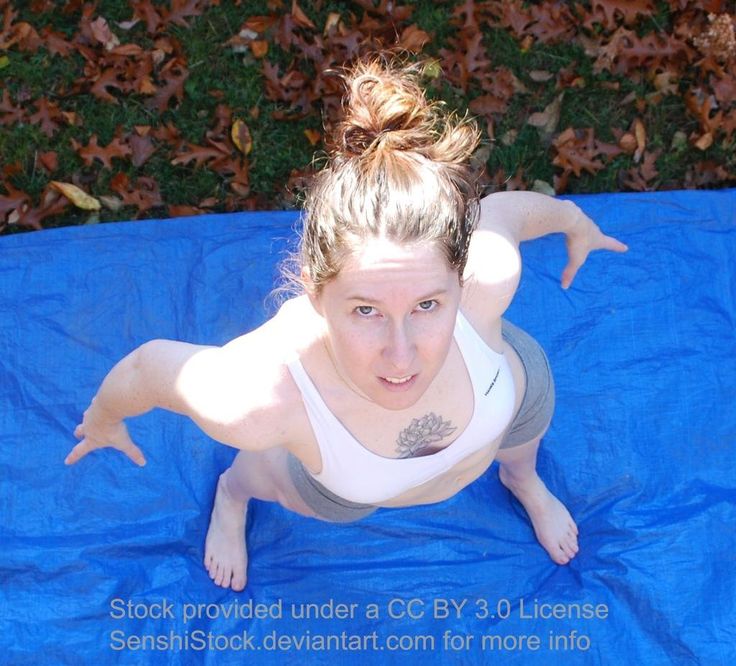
395	380
398	383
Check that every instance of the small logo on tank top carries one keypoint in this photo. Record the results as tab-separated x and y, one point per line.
488	390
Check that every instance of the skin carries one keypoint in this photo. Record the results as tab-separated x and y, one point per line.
400	325
390	313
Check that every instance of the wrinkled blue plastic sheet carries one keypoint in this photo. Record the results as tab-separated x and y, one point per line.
641	449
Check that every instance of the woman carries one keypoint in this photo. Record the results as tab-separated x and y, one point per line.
393	380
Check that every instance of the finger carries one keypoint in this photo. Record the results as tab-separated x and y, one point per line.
79	451
571	270
78	432
613	244
134	453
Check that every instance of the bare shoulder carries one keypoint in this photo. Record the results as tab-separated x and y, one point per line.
244	390
493	271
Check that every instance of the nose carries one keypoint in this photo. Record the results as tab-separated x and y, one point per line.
400	349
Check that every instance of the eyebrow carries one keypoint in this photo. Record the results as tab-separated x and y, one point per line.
366	299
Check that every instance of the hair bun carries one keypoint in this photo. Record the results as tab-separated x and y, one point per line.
385	110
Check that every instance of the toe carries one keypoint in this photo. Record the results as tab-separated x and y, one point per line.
569	548
238	583
561	558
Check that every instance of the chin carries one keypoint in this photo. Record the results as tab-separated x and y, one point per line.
396	405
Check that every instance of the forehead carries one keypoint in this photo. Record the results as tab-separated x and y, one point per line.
380	262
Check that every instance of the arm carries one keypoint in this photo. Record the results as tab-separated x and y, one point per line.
193	380
521	216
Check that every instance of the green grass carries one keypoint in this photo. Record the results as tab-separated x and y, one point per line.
219	75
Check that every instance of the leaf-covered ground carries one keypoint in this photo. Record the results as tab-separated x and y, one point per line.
122	109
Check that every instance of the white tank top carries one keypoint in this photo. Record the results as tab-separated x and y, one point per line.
355	473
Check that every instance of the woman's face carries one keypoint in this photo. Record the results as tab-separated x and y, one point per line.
390	317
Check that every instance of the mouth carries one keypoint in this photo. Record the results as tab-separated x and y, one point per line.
398	383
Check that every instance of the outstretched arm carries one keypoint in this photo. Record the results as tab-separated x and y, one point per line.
176	376
521	216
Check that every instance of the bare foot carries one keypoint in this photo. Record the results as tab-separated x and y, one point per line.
552	522
225	557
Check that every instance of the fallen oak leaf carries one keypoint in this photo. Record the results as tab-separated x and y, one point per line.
52	203
259	24
546	121
606	12
101	32
55	43
145	11
22	34
552	22
640	178
724	89
578	151
175	75
181	10
14	200
413	39
76	195
300	18
108	78
200	154
143	195
142	147
92	151
46	117
183	210
49	160
12	114
641	139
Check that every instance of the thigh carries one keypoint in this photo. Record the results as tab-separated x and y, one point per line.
264	475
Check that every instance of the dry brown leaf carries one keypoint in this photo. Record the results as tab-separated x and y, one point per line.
413	39
259	48
546	121
110	202
627	142
641	139
704	142
49	160
332	22
300	18
313	136
540	76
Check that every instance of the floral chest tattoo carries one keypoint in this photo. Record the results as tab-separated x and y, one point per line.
421	433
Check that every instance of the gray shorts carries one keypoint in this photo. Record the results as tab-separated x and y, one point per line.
538	403
533	417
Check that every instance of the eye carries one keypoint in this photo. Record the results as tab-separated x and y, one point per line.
427	306
365	310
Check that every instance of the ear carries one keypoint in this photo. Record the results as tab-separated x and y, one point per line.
311	290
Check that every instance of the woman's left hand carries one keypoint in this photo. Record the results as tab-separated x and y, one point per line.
581	241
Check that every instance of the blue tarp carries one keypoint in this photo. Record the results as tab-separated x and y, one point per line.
100	563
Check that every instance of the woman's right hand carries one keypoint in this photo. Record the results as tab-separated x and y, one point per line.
97	432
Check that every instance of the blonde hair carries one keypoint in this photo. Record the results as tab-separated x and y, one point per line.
398	168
